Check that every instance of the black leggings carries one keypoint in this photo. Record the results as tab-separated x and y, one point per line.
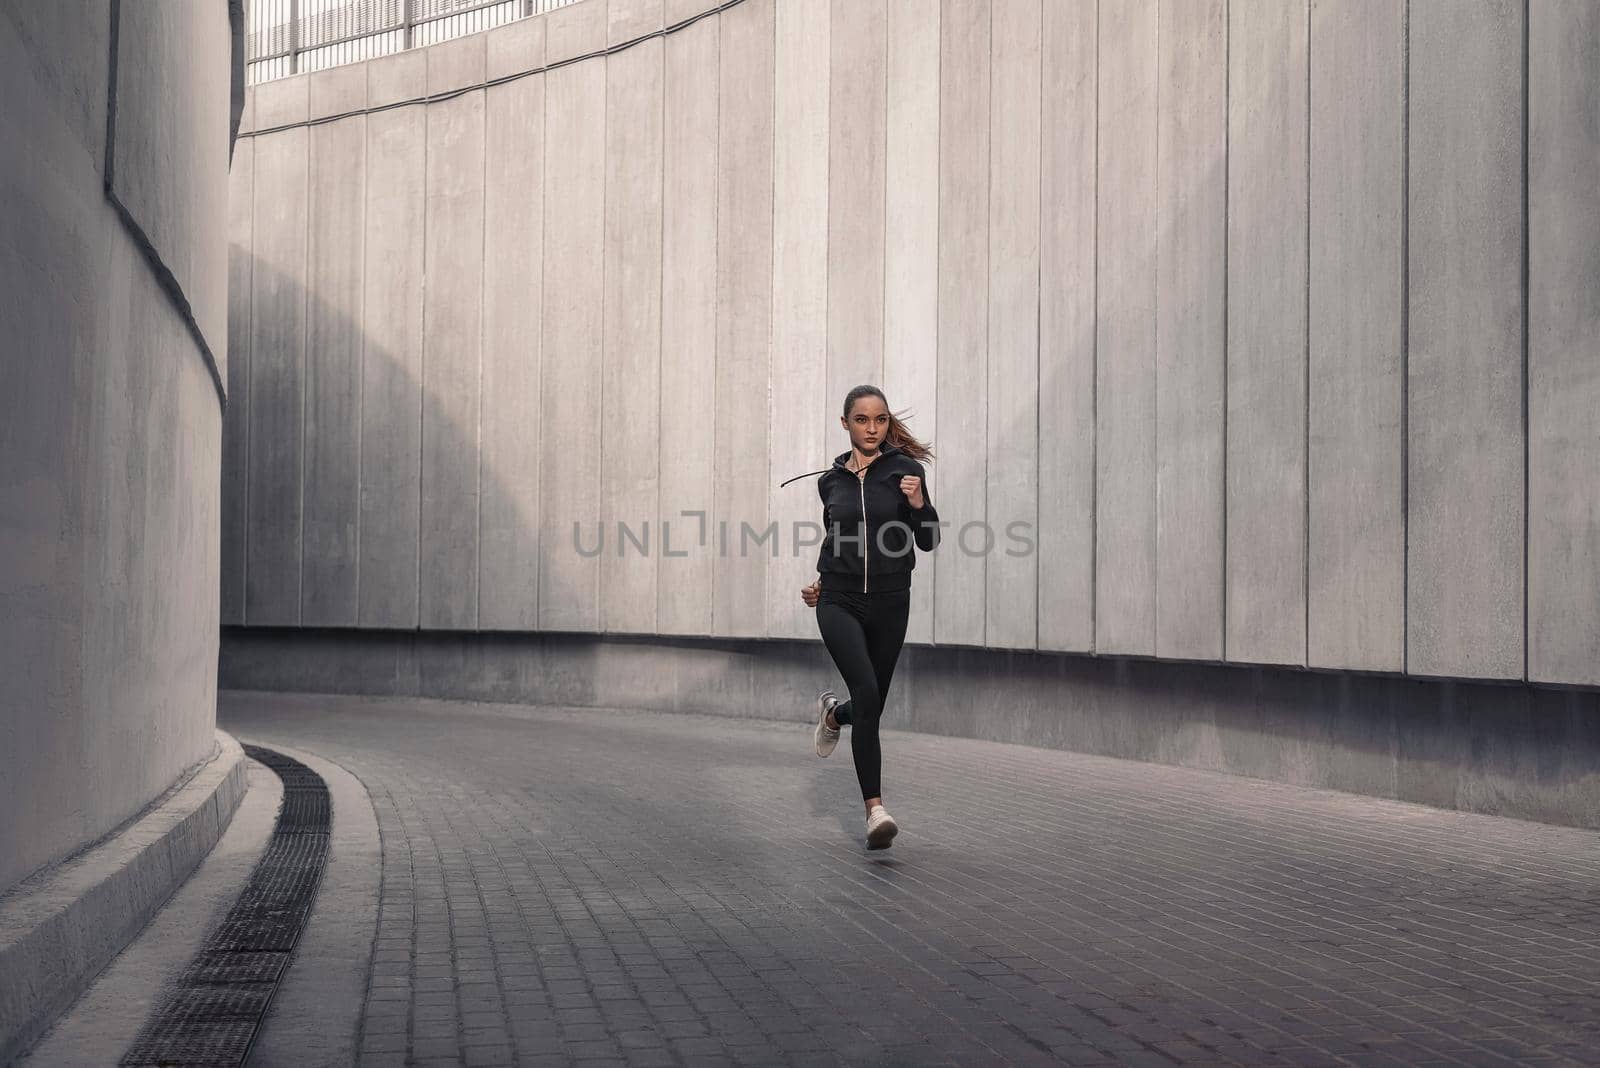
863	633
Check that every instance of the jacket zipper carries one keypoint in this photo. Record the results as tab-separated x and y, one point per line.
866	544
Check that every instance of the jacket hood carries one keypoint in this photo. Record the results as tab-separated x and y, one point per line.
888	448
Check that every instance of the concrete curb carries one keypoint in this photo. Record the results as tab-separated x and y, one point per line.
315	1018
59	928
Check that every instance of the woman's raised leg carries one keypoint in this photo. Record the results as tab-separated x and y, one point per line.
847	642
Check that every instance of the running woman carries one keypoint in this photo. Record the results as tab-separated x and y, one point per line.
875	513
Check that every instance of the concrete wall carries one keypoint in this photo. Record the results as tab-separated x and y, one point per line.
1510	750
1247	309
114	262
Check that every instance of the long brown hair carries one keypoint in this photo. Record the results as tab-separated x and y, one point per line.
900	435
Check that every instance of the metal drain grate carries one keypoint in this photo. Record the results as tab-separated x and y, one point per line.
211	1017
226	967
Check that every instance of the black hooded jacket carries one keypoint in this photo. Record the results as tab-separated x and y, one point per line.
891	524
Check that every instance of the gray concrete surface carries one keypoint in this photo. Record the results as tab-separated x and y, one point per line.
894	154
630	354
1067	295
689	318
513	310
337	91
1563	343
169	152
452	319
1466	341
1266	375
961	410
331	485
110	419
857	131
739	474
391	371
316	1014
798	410
1357	521
107	1017
1011	433
1190	339
60	927
1125	331
315	1017
1520	751
576	30
587	886
236	431
275	456
570	398
911	281
627	19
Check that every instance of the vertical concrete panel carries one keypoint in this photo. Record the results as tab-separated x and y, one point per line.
283	102
680	10
456	64
392	79
911	252
514	48
235	424
1466	344
858	109
631	367
334	342
1267	138
1356	534
964	69
800	409
1564	342
1011	587
576	30
571	403
513	289
744	317
336	91
1125	411
627	19
688	328
1191	294
277	379
391	370
1067	328
452	322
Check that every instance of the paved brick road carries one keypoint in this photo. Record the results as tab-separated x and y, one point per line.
593	887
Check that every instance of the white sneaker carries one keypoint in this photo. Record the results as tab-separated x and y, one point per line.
881	828
825	737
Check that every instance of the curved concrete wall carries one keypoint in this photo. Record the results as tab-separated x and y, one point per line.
112	254
1274	320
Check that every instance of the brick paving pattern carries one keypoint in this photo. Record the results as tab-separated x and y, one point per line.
596	887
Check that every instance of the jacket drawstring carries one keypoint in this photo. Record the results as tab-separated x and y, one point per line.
786	481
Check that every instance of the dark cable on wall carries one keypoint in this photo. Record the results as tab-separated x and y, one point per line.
503	79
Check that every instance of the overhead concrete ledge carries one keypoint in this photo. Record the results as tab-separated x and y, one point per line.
60	927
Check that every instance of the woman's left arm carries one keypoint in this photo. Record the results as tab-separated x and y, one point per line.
924	521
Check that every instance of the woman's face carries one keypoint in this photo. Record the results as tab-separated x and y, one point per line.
868	424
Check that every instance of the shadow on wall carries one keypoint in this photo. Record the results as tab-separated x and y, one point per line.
373	503
356	498
1180	513
1511	749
